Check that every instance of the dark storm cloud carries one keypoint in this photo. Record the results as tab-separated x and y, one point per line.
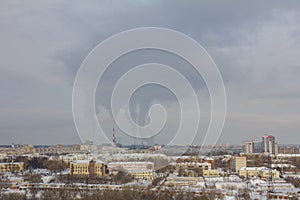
256	45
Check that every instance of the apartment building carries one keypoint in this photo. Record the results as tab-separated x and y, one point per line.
238	162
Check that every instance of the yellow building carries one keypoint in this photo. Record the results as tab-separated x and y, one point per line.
211	172
267	173
262	172
249	172
11	167
86	167
238	162
142	174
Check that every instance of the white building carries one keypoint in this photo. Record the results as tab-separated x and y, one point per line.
131	166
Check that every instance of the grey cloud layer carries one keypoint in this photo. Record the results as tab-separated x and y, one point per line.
255	44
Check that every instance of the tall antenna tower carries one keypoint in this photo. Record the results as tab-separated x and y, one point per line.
114	137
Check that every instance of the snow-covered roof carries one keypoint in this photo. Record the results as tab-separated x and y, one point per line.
283	165
256	169
5	163
85	161
132	163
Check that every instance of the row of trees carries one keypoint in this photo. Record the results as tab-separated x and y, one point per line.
42	162
294	181
120	177
129	193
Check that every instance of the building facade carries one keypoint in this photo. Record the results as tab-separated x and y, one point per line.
88	167
267	145
131	166
11	167
238	162
211	173
183	181
263	172
139	170
142	174
288	150
253	147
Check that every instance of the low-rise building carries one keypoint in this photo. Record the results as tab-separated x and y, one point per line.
230	185
262	172
88	167
183	181
211	172
131	166
275	186
267	173
288	150
249	172
192	165
11	167
142	174
139	170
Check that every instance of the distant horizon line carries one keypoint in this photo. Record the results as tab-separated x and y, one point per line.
68	144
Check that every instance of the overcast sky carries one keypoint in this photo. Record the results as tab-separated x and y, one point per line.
256	45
